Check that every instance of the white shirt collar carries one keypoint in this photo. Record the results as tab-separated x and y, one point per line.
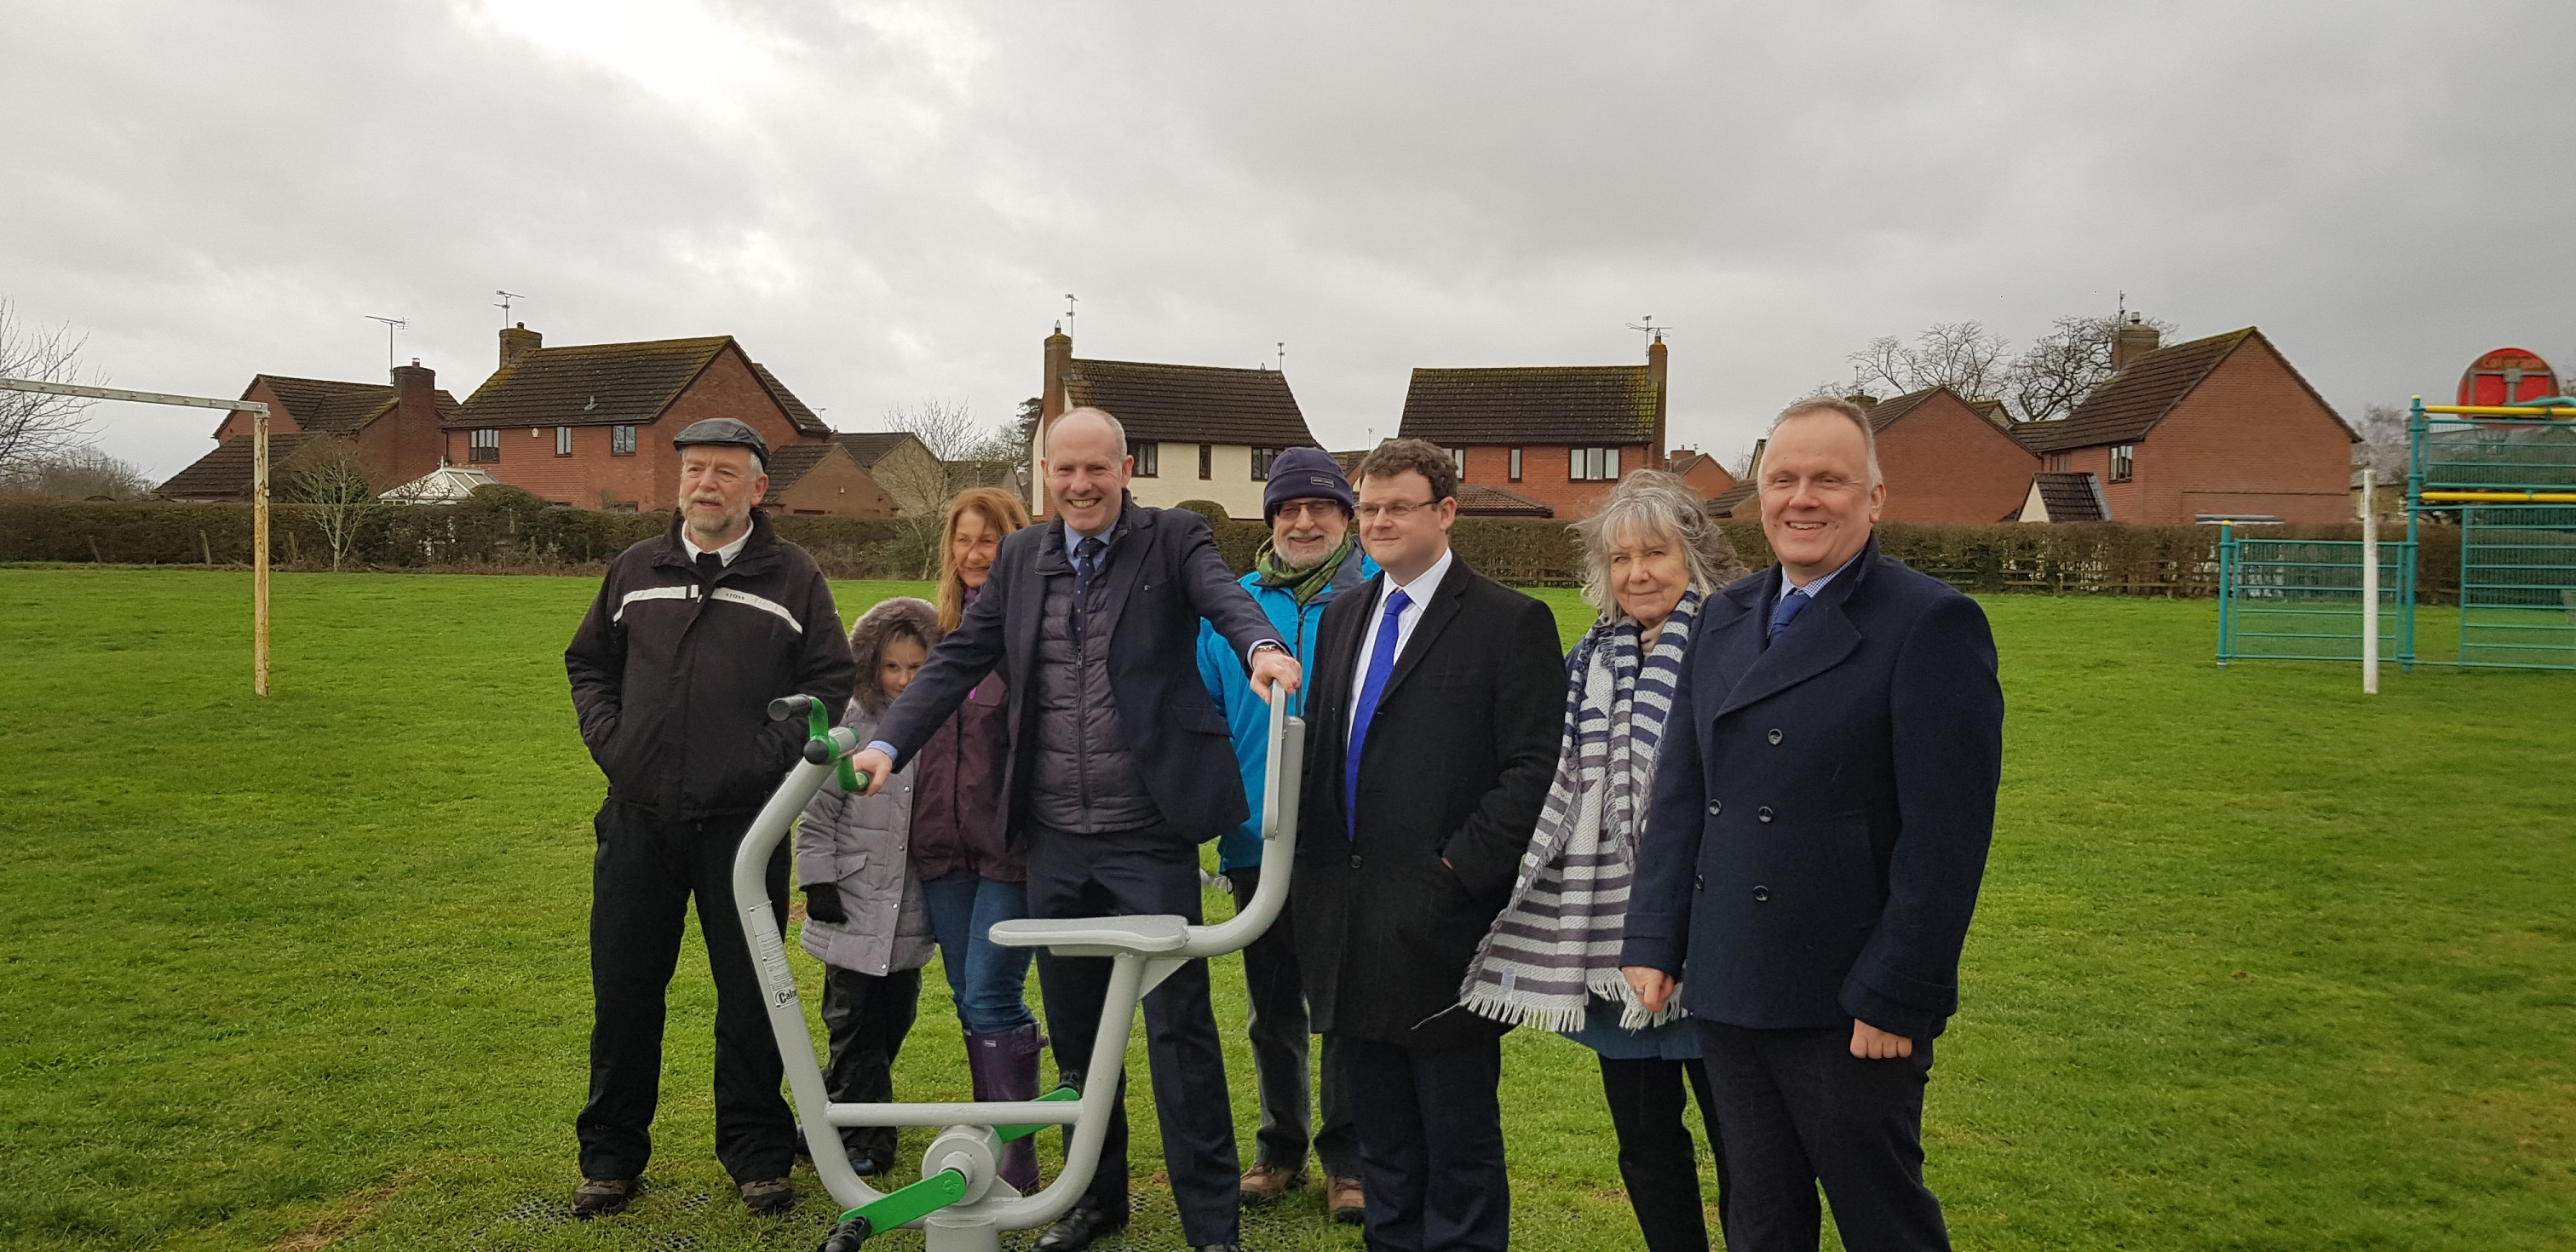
1424	585
725	554
1813	589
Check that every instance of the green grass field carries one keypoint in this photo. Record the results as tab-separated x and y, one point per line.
2261	963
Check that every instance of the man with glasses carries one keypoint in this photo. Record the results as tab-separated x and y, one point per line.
1431	739
1312	557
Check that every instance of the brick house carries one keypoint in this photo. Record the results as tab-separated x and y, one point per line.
1556	434
1198	432
823	479
591	425
1947	460
395	428
2216	427
1701	471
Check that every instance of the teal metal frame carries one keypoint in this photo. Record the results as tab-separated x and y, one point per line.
2517	559
2300	599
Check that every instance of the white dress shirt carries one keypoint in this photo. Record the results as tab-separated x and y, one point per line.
1419	593
725	554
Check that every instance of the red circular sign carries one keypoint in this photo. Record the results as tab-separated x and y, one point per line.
2508	376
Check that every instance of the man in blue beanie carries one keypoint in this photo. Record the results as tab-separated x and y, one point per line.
1310	558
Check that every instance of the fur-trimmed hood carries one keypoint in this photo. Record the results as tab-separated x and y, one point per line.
901	615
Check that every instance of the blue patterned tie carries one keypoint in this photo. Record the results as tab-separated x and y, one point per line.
1381	663
1784	611
1086	561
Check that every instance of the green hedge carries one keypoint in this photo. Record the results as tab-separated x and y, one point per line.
2104	559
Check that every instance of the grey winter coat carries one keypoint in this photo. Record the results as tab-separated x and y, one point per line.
863	843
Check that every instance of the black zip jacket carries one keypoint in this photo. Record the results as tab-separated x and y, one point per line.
672	673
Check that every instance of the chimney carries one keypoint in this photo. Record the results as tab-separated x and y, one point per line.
1863	399
517	341
2134	339
417	442
1655	354
1053	400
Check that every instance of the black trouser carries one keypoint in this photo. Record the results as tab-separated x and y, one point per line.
867	1016
1431	1145
641	879
1797	1108
1656	1159
1279	1035
1141	872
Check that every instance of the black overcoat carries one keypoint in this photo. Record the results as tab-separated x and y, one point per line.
1456	764
1815	844
1164	576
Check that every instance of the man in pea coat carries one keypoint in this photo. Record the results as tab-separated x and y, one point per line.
1814	848
1431	737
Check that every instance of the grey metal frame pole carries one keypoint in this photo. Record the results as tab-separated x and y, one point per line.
259	489
1142	952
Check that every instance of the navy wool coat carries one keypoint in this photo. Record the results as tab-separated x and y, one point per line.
1816	841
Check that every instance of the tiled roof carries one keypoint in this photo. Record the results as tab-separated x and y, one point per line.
1993	412
1568	404
1193	403
225	473
789	464
2071	497
805	419
2124	409
1478	500
328	406
1725	503
867	447
593	384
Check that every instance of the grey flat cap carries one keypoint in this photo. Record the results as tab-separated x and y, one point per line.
724	430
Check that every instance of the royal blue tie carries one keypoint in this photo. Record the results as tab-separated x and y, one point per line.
1372	686
1785	610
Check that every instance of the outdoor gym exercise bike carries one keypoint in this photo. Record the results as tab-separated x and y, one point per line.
961	1202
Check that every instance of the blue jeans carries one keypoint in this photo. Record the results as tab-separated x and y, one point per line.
985	979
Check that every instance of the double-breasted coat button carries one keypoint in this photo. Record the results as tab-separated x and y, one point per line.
1775	736
1355	860
1763	813
1699	882
1715	807
1761	894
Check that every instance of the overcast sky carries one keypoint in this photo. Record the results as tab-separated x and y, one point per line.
887	202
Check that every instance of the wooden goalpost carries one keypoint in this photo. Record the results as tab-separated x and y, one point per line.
258	490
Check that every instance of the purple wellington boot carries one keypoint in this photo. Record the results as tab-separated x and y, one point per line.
1005	1067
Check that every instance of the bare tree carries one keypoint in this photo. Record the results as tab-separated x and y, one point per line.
2057	372
35	427
959	449
81	474
1961	356
328	475
2384	443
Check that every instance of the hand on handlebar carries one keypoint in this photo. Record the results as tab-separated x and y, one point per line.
1274	672
873	767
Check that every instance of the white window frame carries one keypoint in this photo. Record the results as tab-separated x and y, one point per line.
563	441
2124	462
1516	465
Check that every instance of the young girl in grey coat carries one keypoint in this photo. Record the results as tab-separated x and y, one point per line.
864	915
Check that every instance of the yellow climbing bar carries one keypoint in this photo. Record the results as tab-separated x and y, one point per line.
2500	410
2501	497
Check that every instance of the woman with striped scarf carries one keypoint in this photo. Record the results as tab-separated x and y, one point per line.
1552	957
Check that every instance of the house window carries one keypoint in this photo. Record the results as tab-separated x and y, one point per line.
2124	462
2058	461
1149	457
484	446
1458	459
621	441
563	441
1516	465
1261	461
1207	461
1592	464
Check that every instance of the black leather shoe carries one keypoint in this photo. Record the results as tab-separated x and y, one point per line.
1075	1230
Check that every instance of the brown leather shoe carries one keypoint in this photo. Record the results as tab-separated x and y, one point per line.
1264	1183
602	1197
769	1197
1342	1195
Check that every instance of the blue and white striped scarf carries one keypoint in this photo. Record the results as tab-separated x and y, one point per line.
1556	944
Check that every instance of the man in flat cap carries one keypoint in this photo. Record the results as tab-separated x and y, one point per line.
691	637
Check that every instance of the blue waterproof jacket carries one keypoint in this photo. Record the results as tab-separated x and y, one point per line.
1247	716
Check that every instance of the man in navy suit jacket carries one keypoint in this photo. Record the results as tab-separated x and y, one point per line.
1813	851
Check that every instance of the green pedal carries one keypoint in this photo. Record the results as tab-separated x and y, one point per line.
911	1203
1008	1133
